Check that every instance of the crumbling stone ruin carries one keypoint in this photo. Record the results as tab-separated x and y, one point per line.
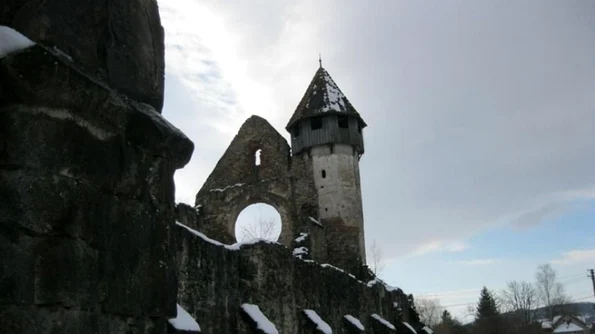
91	240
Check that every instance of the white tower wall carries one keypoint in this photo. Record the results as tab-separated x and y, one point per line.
337	180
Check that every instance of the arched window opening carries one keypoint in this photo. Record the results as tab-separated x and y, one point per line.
323	174
258	221
257	157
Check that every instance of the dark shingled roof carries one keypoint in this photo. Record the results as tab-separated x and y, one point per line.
322	96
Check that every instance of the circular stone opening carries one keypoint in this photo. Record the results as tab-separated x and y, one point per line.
258	221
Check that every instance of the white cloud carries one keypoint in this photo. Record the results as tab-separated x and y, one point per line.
440	246
476	262
575	257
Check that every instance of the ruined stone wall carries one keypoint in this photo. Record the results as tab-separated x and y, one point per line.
118	42
86	180
215	280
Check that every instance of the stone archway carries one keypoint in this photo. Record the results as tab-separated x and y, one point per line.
258	221
280	204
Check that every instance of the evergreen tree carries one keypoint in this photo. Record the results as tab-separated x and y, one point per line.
447	318
487	307
487	316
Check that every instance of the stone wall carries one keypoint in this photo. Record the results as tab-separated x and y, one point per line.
118	42
87	202
216	279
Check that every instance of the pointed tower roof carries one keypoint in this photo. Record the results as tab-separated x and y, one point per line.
323	96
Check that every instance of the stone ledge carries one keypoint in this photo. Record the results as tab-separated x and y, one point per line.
39	81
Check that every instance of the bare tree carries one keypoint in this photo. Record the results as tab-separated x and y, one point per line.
262	228
429	310
550	291
376	259
520	298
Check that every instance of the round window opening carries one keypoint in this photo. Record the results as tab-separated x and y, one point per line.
258	221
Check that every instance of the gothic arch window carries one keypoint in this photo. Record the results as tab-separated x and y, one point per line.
257	157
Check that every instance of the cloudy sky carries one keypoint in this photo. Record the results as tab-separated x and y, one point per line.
480	150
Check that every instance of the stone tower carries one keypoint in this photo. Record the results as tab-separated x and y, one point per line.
327	131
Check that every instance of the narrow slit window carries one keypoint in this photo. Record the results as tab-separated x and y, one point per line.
343	122
359	127
257	157
316	123
323	174
296	131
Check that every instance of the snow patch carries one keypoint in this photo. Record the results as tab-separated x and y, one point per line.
410	328
320	324
12	41
299	251
234	247
568	328
354	321
228	187
383	321
184	321
379	281
262	322
326	265
315	221
428	330
302	237
335	98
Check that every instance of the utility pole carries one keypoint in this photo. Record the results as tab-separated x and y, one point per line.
592	276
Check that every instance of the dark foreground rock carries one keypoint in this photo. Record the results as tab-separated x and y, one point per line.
86	202
119	42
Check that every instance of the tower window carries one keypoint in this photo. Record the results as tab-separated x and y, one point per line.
296	131
359	127
316	123
323	174
257	157
343	122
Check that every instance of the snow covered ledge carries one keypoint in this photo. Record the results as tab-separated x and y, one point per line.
260	321
317	321
12	41
183	322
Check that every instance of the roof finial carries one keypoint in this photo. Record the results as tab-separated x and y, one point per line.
319	60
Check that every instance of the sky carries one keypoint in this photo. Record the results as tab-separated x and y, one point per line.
480	157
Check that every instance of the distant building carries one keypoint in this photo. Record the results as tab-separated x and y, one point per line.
567	324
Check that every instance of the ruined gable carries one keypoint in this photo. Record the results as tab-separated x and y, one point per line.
237	181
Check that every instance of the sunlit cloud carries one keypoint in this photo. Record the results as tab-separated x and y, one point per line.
575	257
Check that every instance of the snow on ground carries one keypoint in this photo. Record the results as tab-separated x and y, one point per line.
184	321
354	321
12	41
383	321
320	324
410	328
428	330
262	322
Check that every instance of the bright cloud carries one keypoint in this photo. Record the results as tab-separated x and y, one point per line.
575	257
476	262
